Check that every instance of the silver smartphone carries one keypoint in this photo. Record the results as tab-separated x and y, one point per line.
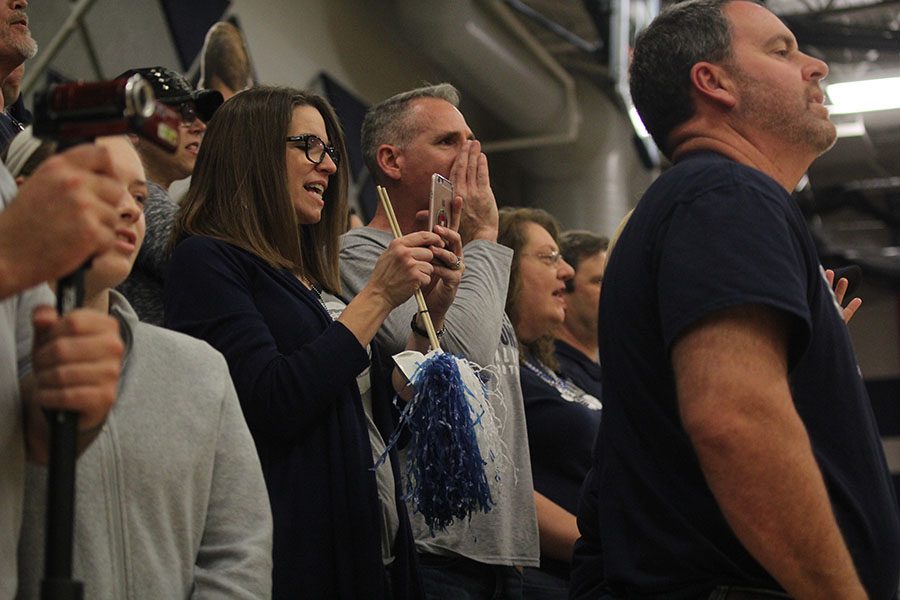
439	207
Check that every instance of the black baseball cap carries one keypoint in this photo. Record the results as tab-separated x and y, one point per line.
171	88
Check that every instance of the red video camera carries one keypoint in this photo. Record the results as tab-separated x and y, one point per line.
72	113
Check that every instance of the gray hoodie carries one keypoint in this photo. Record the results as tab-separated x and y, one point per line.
171	501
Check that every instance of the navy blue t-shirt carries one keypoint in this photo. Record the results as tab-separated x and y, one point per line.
711	234
580	369
561	433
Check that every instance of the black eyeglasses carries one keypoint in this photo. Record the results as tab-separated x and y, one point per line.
314	148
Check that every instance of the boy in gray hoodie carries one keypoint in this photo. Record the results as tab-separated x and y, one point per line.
170	499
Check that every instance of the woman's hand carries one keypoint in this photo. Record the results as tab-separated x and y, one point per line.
448	269
840	290
405	266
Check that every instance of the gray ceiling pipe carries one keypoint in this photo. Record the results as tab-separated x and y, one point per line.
485	49
586	172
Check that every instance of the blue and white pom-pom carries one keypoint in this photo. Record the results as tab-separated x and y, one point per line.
450	421
453	437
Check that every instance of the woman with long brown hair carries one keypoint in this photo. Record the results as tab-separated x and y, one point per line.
255	273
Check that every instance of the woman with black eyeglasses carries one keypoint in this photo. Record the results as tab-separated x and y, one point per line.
254	272
562	419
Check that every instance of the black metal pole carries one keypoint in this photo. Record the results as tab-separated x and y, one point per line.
77	114
58	583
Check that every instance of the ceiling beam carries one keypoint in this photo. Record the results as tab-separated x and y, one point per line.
835	35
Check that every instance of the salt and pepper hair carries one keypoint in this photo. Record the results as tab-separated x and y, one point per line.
664	53
390	121
239	191
512	233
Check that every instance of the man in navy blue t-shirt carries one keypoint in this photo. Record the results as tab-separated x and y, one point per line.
738	448
576	339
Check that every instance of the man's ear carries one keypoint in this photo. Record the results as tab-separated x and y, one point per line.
713	83
390	160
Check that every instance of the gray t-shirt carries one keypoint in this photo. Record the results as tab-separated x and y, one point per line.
15	360
478	329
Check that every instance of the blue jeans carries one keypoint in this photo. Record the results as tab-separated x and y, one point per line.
540	585
459	578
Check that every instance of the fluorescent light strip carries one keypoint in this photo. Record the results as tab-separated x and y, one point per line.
864	96
637	123
853	128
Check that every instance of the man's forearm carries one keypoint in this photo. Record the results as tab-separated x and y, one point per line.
557	527
475	319
769	487
736	406
482	232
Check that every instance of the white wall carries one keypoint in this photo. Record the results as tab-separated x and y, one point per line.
125	34
351	40
593	182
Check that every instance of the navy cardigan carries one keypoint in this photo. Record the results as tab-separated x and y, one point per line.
295	373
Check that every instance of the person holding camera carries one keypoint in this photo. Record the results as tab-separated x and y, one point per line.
48	228
144	286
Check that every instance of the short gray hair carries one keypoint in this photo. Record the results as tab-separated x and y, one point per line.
388	121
